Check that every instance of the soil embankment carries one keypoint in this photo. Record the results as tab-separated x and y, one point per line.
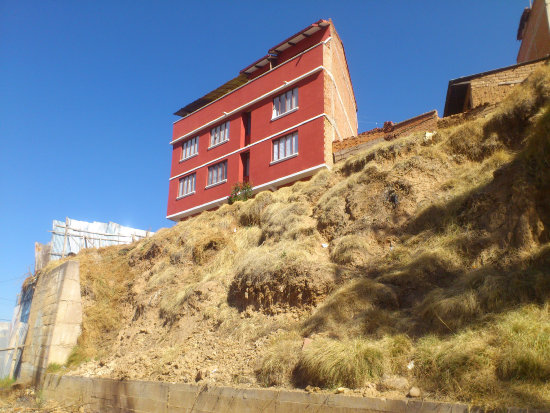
423	261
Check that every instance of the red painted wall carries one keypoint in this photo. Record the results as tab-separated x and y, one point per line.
250	91
536	37
310	135
317	37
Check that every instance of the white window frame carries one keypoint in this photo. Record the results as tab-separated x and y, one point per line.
285	147
285	103
217	174
187	185
219	135
189	148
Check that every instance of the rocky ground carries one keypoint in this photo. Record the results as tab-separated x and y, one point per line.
27	400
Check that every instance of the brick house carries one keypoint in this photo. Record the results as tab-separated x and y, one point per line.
491	87
271	125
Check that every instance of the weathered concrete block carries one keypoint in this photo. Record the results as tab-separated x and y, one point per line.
140	404
148	389
65	334
106	395
69	312
54	324
182	395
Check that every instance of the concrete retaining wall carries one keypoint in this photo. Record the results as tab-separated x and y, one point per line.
105	395
54	321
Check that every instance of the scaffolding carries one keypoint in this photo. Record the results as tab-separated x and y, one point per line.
71	236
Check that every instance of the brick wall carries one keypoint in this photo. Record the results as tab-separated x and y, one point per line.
339	103
494	87
348	147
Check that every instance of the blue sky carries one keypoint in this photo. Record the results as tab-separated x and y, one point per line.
88	90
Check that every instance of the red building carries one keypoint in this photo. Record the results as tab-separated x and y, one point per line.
271	125
534	32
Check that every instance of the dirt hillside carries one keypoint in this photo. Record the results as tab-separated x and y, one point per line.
422	262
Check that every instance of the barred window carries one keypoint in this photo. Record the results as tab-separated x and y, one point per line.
285	103
187	185
190	148
285	147
217	173
219	134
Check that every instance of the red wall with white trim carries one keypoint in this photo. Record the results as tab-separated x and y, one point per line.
308	117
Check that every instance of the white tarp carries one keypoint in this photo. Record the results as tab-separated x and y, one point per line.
16	334
72	235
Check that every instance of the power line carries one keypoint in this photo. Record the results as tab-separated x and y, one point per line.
11	279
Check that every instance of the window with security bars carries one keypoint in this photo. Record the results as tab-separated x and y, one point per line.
190	148
285	103
187	185
219	134
285	147
217	173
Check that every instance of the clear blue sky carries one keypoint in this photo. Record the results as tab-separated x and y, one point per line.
88	88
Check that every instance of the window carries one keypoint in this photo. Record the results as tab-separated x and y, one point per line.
219	134
285	147
187	185
285	103
217	173
190	148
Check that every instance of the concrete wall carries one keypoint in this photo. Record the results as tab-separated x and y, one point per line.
54	321
104	395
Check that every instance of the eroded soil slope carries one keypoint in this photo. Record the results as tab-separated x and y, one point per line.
425	259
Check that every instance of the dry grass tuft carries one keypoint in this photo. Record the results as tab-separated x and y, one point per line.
524	337
251	210
105	282
496	365
288	273
206	247
362	306
350	249
469	141
290	221
332	363
279	360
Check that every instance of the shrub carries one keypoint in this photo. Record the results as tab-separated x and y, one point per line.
241	191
